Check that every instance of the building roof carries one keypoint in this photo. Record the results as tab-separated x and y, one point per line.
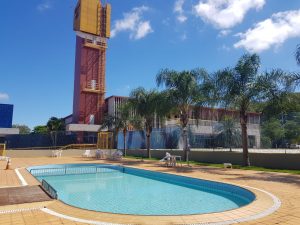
66	117
116	96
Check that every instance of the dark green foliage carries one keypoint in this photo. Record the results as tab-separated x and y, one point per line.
149	106
297	55
229	133
265	142
273	132
55	124
284	104
243	85
40	130
292	128
121	122
186	89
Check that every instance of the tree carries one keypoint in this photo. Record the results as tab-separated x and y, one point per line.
149	105
24	129
54	125
242	85
122	121
40	130
274	130
282	105
229	131
296	76
187	89
292	132
297	55
109	122
292	128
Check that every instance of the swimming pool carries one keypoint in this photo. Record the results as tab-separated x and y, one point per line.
125	190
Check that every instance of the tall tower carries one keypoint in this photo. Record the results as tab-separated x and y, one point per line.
92	26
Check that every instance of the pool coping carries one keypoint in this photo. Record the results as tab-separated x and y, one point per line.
265	204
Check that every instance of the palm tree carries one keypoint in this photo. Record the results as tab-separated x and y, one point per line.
229	132
187	89
297	55
122	122
148	106
110	122
296	77
240	86
54	125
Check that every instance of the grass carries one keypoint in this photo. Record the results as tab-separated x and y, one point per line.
216	165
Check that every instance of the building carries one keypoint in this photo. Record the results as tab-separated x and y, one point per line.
6	117
92	27
208	122
113	104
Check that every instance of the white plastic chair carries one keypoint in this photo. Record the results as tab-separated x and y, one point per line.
118	155
4	158
99	154
87	153
167	159
56	153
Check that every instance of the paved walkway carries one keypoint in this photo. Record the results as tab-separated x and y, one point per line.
21	195
285	186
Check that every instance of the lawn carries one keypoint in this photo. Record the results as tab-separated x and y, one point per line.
254	168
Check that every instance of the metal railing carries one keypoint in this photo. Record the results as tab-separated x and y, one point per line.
79	146
65	147
2	149
49	189
75	170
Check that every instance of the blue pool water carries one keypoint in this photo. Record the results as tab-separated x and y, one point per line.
126	190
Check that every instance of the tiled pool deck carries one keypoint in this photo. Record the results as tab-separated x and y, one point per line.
286	187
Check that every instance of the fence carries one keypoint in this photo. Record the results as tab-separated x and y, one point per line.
105	140
171	138
57	140
69	170
266	160
2	149
49	189
40	140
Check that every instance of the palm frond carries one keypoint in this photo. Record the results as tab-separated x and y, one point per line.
297	55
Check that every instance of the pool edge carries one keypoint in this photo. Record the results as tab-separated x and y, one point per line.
260	214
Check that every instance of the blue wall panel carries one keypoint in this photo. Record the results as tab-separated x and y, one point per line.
6	115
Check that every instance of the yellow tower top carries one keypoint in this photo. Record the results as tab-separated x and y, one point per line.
90	17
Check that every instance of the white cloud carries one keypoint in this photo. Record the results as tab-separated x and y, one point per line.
271	32
44	6
133	23
225	14
4	97
143	29
178	9
224	33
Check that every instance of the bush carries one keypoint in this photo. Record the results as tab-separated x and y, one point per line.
266	142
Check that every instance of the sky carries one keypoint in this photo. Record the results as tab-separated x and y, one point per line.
37	53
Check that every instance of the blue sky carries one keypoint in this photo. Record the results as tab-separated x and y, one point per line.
38	45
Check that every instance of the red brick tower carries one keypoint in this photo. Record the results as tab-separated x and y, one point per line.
92	26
